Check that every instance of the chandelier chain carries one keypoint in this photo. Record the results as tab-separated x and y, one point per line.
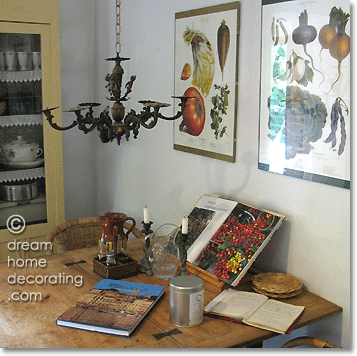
118	27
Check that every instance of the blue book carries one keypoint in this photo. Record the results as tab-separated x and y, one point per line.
112	307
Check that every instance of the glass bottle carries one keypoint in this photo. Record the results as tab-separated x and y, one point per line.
103	249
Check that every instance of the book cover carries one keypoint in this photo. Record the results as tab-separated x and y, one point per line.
112	307
227	236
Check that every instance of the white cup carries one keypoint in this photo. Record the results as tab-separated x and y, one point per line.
36	60
10	60
2	61
23	60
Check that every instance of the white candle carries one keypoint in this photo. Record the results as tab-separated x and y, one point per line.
184	225
146	215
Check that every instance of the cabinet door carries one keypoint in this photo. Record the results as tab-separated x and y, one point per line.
30	81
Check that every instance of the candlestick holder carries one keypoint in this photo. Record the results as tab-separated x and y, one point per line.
182	243
145	265
147	228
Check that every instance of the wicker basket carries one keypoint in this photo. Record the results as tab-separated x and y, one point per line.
125	267
277	285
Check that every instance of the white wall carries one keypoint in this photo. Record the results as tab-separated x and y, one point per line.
314	241
77	35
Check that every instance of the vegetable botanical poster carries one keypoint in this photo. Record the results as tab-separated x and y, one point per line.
206	70
305	121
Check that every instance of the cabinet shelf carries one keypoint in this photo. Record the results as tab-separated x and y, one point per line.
33	211
21	120
21	174
41	198
20	76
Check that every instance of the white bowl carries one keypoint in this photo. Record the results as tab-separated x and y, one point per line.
19	151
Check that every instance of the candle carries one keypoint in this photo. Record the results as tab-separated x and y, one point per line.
184	225
146	215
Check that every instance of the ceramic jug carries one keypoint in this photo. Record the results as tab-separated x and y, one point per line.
112	227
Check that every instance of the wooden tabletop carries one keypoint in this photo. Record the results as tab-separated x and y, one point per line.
32	324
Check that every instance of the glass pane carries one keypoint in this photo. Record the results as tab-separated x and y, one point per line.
305	100
22	172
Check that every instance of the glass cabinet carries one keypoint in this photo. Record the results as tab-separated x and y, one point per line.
22	172
31	172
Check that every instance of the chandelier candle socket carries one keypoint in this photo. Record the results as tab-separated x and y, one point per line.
121	123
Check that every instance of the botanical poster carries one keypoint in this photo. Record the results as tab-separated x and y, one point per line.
305	118
206	47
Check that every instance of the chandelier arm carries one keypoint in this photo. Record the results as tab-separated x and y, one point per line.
105	127
49	118
61	128
182	106
147	115
87	120
172	118
132	122
85	129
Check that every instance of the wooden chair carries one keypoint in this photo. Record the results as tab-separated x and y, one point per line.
309	341
80	233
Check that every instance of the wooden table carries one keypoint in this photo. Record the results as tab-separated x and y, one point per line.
31	324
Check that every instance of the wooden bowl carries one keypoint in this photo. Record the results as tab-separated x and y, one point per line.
2	107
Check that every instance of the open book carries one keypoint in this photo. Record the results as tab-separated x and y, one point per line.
255	309
226	236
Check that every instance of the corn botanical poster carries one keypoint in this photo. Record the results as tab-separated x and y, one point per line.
305	121
206	71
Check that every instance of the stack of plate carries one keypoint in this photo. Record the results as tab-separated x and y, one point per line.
277	285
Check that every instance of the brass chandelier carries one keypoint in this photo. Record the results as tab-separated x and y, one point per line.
120	124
